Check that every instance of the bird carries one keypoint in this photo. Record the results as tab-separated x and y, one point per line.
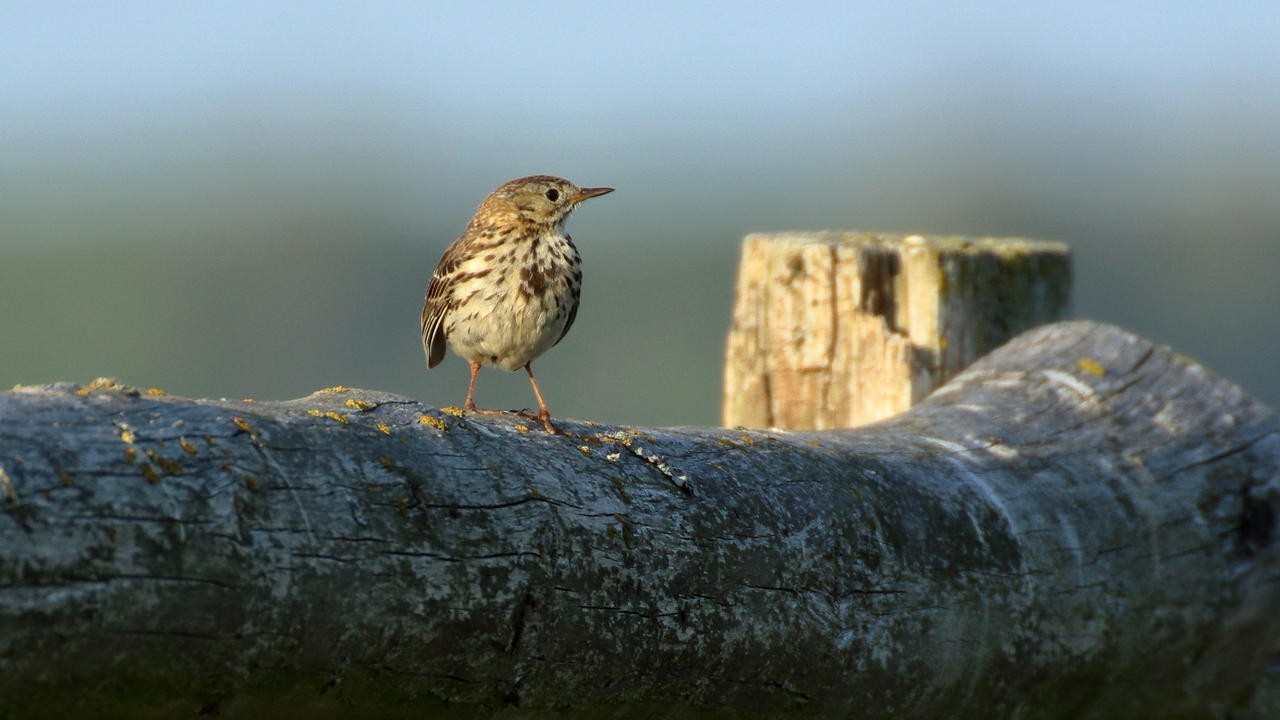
507	290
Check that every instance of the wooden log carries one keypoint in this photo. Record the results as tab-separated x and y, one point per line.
841	329
1081	525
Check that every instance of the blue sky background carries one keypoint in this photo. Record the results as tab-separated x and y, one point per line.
246	199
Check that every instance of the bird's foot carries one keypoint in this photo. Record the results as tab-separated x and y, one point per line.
546	424
543	417
482	411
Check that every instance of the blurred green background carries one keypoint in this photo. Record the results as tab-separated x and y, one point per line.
247	199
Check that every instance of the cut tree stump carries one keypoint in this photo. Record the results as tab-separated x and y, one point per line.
1080	526
842	329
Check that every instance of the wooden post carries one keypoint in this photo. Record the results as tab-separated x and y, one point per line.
841	329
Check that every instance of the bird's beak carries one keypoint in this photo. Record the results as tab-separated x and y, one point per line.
587	193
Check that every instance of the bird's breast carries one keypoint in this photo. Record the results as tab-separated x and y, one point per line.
511	302
550	266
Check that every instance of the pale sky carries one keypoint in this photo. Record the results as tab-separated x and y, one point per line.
1143	133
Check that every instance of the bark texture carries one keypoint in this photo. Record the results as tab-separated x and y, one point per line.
840	329
1081	525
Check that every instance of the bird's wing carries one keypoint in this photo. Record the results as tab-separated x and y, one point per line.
573	315
577	292
436	305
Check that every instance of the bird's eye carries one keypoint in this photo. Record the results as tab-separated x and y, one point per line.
553	194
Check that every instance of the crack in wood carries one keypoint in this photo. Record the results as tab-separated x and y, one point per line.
868	570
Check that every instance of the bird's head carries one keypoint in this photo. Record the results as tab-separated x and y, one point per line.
537	199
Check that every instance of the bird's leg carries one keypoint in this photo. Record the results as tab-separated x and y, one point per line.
543	413
470	405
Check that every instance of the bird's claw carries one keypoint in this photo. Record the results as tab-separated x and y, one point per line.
542	417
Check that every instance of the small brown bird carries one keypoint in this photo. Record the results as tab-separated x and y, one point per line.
507	290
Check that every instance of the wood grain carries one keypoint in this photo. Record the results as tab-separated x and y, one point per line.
1081	525
841	329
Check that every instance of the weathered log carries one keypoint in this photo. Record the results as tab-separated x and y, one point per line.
1081	525
836	330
